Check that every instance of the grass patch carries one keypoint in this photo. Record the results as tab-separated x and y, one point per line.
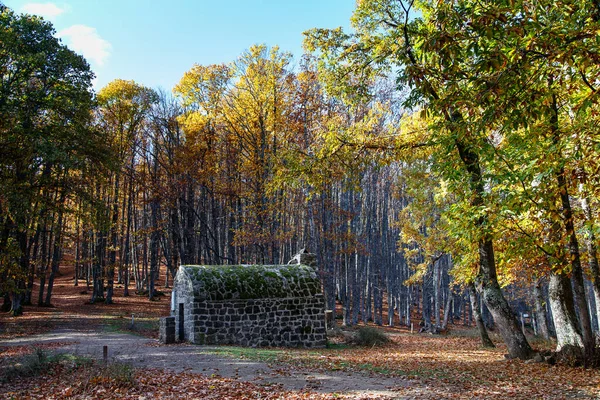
143	326
254	354
338	346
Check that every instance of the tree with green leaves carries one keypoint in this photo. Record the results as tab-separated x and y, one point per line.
507	87
46	140
387	37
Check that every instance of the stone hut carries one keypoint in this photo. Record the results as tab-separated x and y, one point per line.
247	305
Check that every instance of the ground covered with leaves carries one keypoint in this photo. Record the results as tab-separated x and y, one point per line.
427	367
71	307
451	366
68	379
443	367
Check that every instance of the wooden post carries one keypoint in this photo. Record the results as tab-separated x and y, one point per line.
105	354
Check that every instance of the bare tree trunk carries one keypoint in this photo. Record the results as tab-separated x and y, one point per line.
541	318
436	291
112	254
447	309
563	313
487	280
483	334
56	253
592	250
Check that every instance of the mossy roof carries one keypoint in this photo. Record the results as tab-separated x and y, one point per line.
225	282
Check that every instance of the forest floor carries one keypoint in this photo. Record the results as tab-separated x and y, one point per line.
423	366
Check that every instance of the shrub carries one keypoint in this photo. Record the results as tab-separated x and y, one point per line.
369	336
27	365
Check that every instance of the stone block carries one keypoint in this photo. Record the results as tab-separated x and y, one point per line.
166	332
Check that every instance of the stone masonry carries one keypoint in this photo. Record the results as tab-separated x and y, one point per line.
166	331
249	305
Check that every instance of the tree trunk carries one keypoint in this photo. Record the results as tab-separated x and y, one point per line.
447	309
154	242
483	334
563	312
574	256
112	254
592	250
56	253
541	318
487	280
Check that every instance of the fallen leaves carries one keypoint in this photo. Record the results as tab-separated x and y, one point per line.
17	351
446	367
425	366
83	382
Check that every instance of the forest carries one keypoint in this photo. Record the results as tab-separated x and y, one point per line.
440	160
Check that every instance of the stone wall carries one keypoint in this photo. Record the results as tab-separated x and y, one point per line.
295	322
249	305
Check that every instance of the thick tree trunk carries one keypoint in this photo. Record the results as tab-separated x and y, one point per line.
154	242
447	309
127	251
426	301
42	261
487	280
505	320
574	256
563	312
97	268
437	275
16	307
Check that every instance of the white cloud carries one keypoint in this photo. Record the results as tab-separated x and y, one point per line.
86	41
46	10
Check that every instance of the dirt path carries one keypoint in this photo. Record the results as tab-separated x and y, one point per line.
144	353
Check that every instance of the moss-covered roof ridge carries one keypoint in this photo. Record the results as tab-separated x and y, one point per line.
225	282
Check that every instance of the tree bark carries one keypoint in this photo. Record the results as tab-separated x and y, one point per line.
573	245
592	250
487	280
541	317
563	312
112	254
483	334
56	252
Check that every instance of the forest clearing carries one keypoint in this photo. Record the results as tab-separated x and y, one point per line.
423	366
405	206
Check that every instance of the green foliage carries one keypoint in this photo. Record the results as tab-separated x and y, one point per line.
253	281
485	91
46	139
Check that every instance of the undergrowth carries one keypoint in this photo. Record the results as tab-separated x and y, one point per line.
41	362
369	336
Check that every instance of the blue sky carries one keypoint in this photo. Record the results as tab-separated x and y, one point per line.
155	42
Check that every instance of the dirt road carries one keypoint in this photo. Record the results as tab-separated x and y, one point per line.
142	352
